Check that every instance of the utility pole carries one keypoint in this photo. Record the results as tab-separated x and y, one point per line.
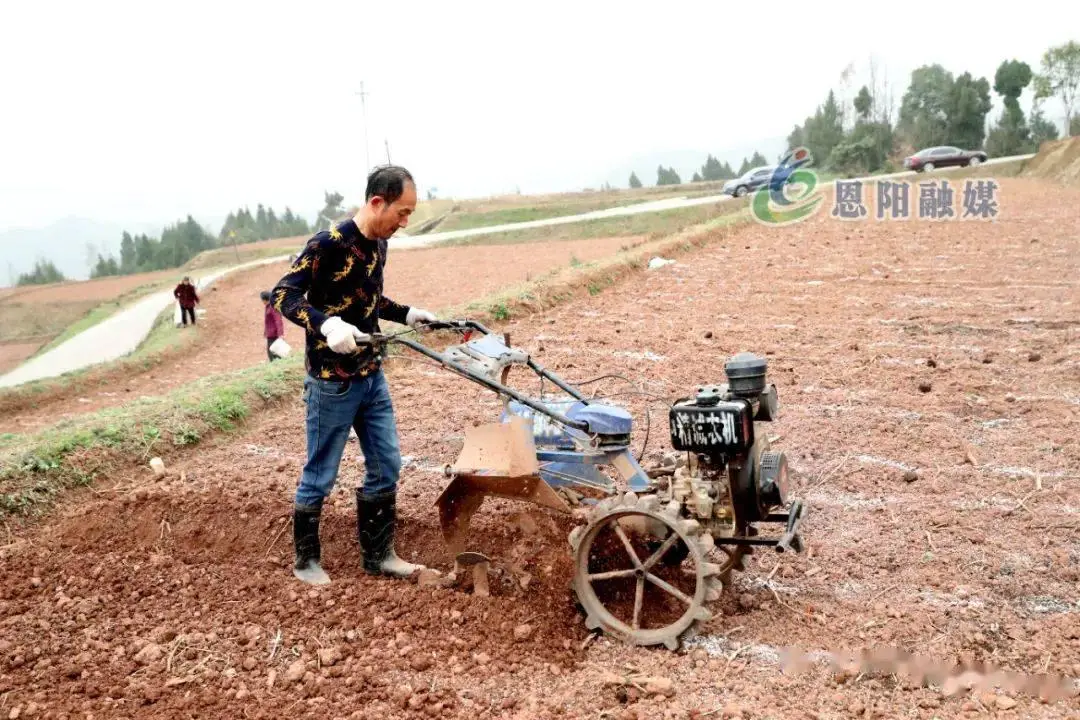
363	106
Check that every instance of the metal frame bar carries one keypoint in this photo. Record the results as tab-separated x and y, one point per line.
493	385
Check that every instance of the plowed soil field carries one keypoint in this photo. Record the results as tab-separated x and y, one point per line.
929	385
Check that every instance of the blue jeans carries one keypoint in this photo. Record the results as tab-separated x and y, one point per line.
333	407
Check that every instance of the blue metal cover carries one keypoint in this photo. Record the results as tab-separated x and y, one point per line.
602	419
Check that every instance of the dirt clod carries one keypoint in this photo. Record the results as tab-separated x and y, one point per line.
523	632
1004	702
296	671
150	653
659	686
911	476
925	386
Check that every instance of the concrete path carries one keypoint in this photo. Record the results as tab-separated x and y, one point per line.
123	332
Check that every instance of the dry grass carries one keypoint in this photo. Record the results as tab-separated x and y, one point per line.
1058	160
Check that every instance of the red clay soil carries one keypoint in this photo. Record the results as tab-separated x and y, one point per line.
929	404
81	291
230	335
14	353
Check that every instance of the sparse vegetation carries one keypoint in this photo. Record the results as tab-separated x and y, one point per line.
34	469
44	272
654	223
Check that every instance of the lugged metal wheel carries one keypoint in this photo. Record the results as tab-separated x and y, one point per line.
610	548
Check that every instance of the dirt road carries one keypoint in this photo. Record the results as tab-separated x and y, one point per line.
929	402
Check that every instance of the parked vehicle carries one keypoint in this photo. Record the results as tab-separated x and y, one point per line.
752	179
943	156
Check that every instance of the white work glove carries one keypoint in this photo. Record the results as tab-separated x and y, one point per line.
416	315
341	336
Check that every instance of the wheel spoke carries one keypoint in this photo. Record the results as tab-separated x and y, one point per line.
655	557
639	597
626	543
669	588
612	574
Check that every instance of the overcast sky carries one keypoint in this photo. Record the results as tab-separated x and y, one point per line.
146	111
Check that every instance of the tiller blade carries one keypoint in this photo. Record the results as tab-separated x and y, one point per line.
497	459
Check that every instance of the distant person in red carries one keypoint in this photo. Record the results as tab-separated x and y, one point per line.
185	293
273	324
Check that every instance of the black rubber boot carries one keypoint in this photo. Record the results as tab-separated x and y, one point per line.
306	544
376	516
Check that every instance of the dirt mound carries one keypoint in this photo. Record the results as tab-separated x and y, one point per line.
1058	160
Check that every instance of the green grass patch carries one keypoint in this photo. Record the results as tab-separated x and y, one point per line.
470	220
36	468
654	224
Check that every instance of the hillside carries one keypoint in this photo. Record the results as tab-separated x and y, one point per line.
1058	160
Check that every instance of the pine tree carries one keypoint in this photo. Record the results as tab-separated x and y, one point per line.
634	181
127	254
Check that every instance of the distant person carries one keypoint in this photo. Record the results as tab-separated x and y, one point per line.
273	323
188	298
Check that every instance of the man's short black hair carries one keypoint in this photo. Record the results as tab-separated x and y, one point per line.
388	182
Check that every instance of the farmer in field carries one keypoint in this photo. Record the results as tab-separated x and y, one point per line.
334	290
273	324
188	299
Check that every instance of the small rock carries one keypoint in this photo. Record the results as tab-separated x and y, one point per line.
296	671
428	577
35	582
482	658
15	712
856	707
931	363
455	616
250	664
421	662
747	601
242	692
659	686
610	678
987	360
158	466
271	678
925	386
523	632
1034	357
708	334
911	476
149	654
1004	702
1009	397
330	656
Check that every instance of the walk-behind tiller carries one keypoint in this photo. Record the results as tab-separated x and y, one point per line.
660	542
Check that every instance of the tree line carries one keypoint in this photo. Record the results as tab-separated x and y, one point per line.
940	108
185	239
865	134
711	171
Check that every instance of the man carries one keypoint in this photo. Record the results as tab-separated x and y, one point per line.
341	273
185	293
273	324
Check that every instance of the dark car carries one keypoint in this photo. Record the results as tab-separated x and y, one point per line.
750	180
943	156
